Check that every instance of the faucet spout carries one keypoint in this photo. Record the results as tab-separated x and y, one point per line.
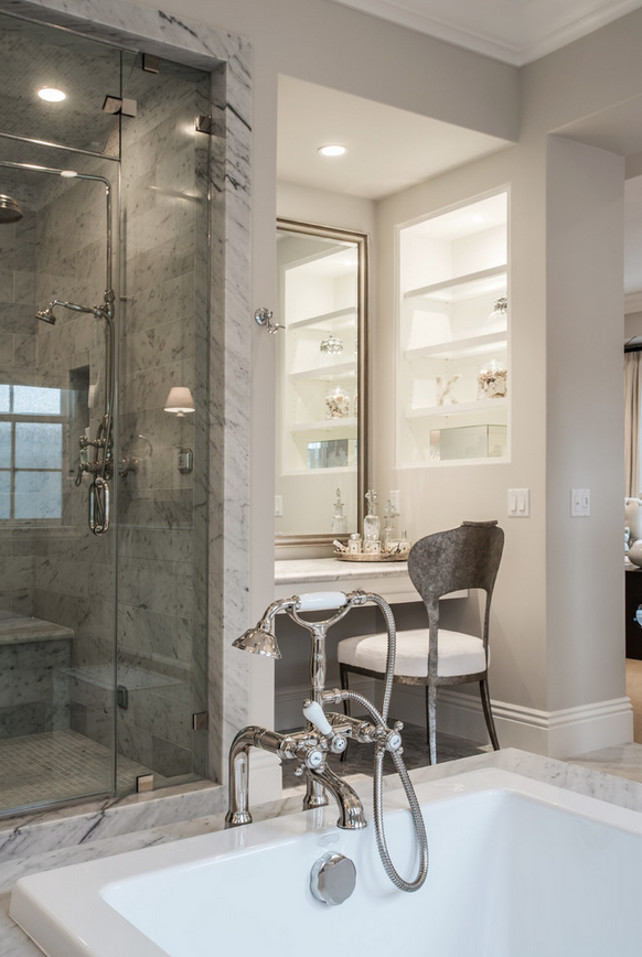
351	816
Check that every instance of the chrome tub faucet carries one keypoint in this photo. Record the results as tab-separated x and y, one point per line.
321	736
326	734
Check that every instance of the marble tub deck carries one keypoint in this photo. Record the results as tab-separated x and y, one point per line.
566	774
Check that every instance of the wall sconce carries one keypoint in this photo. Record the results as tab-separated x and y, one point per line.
179	402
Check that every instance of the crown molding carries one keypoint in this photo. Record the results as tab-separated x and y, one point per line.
422	23
529	44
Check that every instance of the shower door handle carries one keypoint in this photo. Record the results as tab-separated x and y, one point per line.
99	505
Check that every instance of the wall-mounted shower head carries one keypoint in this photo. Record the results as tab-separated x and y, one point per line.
47	315
10	209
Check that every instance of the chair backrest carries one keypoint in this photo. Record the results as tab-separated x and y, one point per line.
458	558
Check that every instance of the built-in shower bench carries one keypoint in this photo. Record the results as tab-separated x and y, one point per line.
33	691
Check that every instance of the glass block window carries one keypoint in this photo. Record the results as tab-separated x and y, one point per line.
31	453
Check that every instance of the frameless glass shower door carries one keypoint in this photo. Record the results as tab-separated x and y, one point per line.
103	300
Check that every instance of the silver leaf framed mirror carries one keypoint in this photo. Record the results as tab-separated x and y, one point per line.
321	383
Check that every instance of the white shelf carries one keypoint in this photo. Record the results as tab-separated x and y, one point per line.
347	423
460	347
333	470
452	272
327	318
338	370
476	280
484	406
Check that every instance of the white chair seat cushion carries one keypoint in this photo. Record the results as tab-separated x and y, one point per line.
459	653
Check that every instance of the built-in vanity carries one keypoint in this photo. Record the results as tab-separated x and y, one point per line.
389	579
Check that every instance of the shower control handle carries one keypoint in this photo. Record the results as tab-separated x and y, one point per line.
99	505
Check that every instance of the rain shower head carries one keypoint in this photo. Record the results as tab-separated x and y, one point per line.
47	315
10	209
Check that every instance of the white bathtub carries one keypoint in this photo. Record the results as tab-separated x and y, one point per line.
517	869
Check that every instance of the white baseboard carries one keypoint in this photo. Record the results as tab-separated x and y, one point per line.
557	734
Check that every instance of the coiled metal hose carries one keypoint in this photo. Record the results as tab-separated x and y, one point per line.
381	719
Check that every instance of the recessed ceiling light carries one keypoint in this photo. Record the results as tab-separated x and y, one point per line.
51	94
333	149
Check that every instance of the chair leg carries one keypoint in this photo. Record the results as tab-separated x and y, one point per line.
488	714
431	722
345	686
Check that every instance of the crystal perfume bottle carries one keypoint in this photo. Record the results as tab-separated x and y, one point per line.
390	536
371	523
338	525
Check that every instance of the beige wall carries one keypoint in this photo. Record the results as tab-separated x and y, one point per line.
435	498
585	422
558	617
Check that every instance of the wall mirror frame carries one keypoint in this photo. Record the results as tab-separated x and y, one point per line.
321	383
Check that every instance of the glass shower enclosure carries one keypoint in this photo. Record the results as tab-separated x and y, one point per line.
104	225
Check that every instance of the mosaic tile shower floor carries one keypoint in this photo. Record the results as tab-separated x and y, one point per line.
58	766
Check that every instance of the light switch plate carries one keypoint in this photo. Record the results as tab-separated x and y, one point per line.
278	506
580	502
519	502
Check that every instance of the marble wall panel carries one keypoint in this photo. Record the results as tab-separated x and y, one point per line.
162	642
33	687
23	719
24	284
5	688
171	297
6	284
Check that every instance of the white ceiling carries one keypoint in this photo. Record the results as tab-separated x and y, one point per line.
392	149
515	31
388	149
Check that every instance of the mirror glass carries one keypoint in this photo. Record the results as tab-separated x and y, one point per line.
321	401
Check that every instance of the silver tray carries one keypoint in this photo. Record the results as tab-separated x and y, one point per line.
401	557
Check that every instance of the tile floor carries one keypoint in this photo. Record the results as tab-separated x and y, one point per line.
58	766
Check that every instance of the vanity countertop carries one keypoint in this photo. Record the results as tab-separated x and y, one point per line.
614	790
390	579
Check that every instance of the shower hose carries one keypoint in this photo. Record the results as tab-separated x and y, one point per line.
381	718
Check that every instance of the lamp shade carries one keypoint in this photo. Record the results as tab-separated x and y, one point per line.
179	401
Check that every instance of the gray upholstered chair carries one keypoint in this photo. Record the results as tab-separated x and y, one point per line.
466	557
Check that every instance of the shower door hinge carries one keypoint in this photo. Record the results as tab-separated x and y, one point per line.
204	124
200	721
144	782
123	105
151	63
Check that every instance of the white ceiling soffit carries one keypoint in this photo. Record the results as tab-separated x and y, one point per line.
388	149
515	31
